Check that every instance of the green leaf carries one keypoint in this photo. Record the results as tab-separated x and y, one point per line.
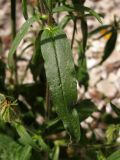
112	133
100	156
77	8
84	29
110	45
2	76
24	9
25	138
36	64
56	153
93	13
8	109
65	21
18	39
85	108
98	29
64	8
10	150
60	74
81	69
115	109
114	156
37	53
41	143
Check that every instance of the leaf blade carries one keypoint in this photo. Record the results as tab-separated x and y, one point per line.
18	38
110	45
24	9
56	52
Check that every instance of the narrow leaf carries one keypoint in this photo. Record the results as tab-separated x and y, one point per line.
24	9
64	8
82	72
114	156
60	74
56	153
37	60
84	29
65	21
18	39
77	8
37	53
110	45
93	13
115	109
9	149
98	29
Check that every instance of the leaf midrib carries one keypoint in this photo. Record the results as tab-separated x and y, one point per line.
59	73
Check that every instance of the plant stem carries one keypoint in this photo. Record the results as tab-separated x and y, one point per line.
13	26
43	10
73	35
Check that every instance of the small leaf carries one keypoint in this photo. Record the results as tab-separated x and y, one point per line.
9	149
18	39
115	109
36	64
64	8
84	29
112	133
114	156
25	138
56	153
8	109
60	73
100	156
37	55
77	8
85	108
98	29
41	143
2	76
65	21
110	45
24	9
93	13
81	69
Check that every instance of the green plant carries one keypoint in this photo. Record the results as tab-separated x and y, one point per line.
53	95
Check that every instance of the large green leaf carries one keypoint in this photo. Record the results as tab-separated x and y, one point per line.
60	74
18	39
10	150
114	156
